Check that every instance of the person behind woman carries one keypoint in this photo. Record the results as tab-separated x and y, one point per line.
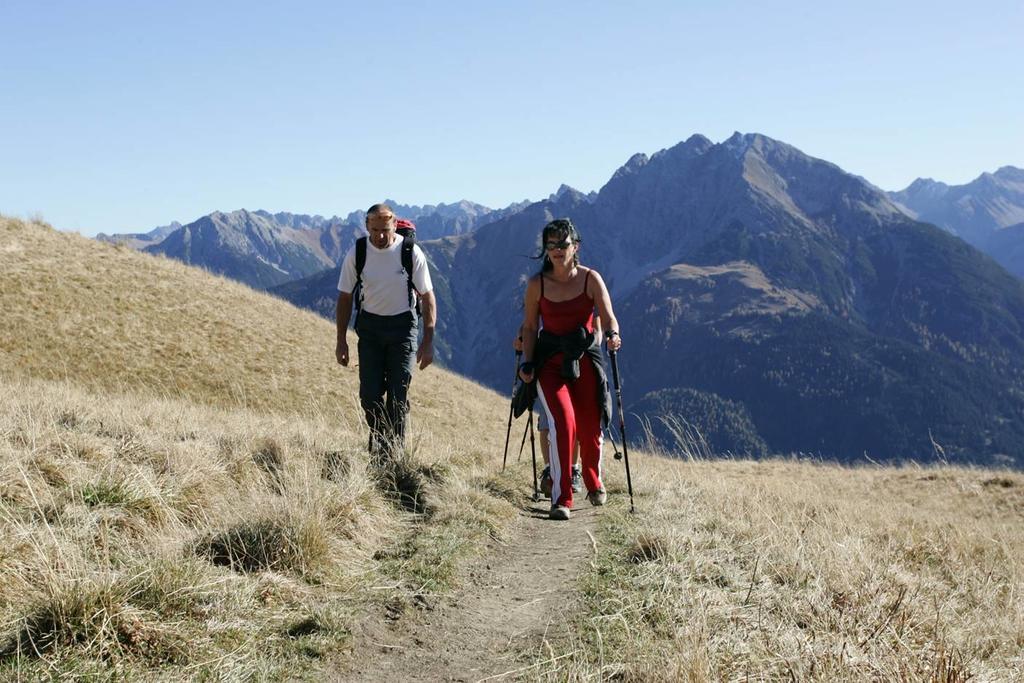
542	430
565	359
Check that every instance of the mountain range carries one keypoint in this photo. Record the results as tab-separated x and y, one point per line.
257	248
140	240
264	249
769	300
987	212
755	274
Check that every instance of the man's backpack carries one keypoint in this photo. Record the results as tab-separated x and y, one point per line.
405	228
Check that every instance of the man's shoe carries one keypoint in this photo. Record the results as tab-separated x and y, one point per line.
597	497
559	512
545	482
577	479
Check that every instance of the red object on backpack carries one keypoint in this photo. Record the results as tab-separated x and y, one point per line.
404	227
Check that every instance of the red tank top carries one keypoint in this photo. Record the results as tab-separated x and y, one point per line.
562	317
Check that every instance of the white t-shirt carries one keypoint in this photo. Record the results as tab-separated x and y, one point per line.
385	288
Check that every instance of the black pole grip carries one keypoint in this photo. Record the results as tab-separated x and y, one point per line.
508	430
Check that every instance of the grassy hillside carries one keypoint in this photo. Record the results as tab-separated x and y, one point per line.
184	495
789	570
183	488
107	318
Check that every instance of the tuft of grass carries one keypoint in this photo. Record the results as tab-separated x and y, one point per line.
336	466
67	419
949	667
405	480
269	545
647	548
98	618
177	586
129	492
269	457
504	487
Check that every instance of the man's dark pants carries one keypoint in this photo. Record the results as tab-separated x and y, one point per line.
387	354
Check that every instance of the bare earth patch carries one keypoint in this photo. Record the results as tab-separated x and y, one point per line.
514	595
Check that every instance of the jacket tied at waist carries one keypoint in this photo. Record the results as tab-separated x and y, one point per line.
574	346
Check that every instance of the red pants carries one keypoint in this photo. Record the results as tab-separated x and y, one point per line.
573	412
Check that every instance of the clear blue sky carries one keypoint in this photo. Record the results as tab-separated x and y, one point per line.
121	116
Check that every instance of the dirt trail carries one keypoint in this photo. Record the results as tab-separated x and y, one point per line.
514	591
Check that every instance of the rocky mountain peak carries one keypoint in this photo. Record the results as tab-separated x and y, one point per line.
564	190
693	147
632	165
697	141
735	140
927	187
738	143
1011	173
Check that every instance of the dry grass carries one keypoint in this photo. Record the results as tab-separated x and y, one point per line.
184	494
184	491
787	570
111	319
154	535
137	530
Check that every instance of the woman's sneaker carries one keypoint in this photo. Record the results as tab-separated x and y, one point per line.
559	512
545	481
577	479
597	497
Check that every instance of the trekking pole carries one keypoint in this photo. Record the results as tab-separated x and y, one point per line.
622	425
533	451
522	444
615	444
508	432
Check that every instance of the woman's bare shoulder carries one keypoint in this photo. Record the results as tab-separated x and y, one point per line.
533	286
593	276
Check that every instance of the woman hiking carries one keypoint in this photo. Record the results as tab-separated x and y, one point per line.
562	352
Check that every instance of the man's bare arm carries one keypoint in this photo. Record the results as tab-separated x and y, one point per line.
428	308
342	314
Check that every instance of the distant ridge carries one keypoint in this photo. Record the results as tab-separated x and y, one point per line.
140	240
264	249
441	220
979	211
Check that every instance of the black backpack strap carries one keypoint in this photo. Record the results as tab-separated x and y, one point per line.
360	258
586	279
542	285
407	263
357	291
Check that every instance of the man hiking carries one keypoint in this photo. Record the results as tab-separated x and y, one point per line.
383	274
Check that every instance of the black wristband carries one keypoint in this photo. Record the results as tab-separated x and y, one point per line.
527	367
613	333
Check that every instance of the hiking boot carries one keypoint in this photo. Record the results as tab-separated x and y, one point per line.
577	479
545	481
597	497
559	512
